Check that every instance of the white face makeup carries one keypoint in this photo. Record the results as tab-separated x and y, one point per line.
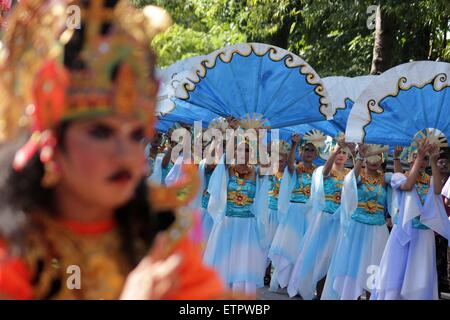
103	160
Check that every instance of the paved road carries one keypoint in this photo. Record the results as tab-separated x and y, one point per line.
265	294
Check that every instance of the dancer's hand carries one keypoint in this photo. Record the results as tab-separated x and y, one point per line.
337	149
362	149
434	152
296	138
233	123
422	149
155	276
397	151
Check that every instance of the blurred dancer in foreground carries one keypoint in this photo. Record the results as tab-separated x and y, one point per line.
78	220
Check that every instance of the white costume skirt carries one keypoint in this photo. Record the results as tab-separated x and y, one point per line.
207	224
273	224
408	271
286	243
355	261
315	255
234	250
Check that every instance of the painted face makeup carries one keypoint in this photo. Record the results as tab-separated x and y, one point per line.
103	160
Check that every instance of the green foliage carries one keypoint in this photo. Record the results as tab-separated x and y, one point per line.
180	42
200	27
331	35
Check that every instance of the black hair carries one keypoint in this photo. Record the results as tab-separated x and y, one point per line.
444	155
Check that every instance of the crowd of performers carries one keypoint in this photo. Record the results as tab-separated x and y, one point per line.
87	213
330	231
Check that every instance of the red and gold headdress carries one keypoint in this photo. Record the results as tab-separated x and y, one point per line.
5	6
52	69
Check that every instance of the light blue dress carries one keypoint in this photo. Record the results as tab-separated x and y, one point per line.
159	173
166	170
362	238
294	217
407	269
320	239
207	221
236	244
274	190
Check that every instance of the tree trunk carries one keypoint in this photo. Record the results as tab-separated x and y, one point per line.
382	49
281	37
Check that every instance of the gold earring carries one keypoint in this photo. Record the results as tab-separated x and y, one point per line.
51	175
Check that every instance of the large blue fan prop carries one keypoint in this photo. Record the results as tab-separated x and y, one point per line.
163	125
169	81
251	80
342	93
401	102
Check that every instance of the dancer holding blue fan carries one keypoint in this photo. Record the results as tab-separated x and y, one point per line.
294	207
363	235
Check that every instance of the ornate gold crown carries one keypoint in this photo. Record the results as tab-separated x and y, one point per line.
50	72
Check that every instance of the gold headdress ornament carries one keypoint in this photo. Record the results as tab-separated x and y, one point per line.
375	153
5	7
280	147
51	72
315	137
429	135
432	136
178	194
255	122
